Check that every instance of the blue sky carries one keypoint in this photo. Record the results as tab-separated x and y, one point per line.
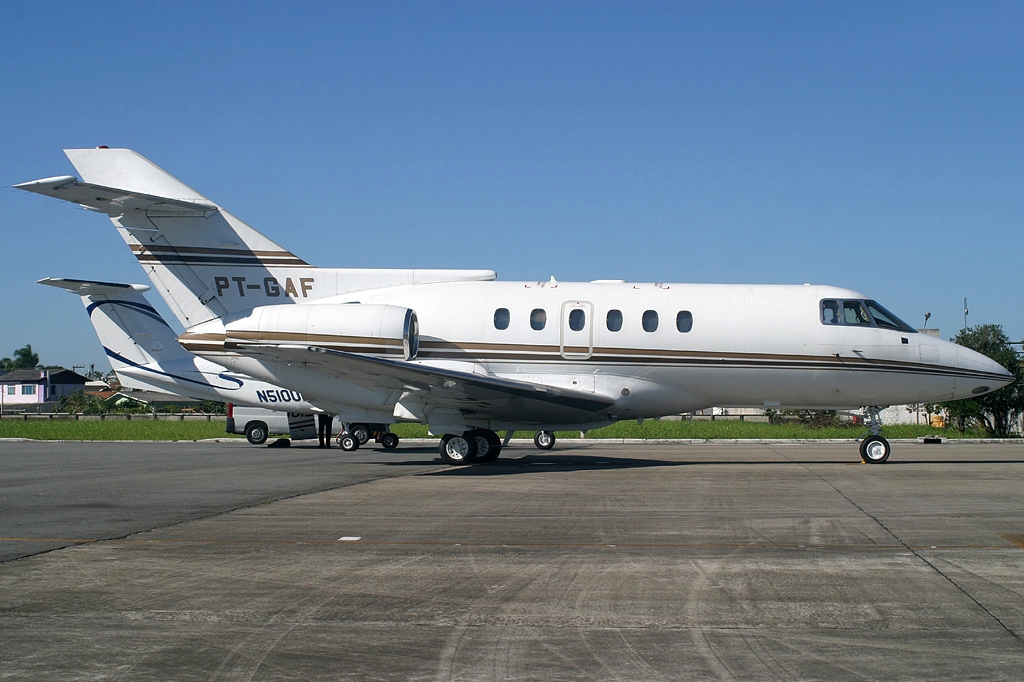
872	145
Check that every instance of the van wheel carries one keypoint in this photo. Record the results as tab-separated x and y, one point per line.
348	442
256	433
389	441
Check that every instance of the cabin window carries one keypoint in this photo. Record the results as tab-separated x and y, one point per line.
501	318
577	319
538	319
650	320
10	389
614	320
28	389
855	314
684	321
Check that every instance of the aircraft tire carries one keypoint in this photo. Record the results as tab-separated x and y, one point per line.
457	449
256	433
544	440
389	441
874	450
488	446
348	442
360	432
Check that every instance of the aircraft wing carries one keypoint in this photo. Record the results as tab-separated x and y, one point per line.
110	200
476	396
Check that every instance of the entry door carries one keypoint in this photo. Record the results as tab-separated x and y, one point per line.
576	341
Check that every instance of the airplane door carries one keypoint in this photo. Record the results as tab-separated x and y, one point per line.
576	341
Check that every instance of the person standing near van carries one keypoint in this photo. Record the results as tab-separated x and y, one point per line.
324	423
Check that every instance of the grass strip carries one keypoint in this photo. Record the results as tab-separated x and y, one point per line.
146	429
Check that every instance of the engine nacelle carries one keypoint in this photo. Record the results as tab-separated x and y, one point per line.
383	330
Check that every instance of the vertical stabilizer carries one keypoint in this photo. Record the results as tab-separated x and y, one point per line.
132	332
203	261
192	250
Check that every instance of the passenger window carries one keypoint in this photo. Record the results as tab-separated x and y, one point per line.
501	318
650	320
854	313
614	320
829	312
684	321
538	318
577	319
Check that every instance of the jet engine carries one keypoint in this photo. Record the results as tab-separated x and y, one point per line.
382	330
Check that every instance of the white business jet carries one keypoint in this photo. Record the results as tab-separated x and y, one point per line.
470	355
145	354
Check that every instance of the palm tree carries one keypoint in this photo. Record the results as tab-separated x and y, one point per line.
24	358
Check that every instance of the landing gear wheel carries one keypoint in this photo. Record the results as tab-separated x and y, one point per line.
544	440
458	449
488	446
389	441
360	432
256	433
348	442
874	450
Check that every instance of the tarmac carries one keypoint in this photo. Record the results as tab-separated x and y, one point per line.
592	561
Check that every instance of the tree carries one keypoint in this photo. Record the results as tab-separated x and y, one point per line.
82	402
24	358
996	412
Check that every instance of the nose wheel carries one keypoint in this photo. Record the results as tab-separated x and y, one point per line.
874	450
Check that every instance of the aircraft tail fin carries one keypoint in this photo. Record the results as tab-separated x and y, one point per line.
191	249
133	334
203	261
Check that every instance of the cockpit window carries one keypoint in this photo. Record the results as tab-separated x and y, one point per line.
883	318
861	314
854	313
830	312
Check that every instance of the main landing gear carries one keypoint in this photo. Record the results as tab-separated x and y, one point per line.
874	449
476	446
355	435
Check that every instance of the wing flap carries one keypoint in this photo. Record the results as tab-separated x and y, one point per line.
476	395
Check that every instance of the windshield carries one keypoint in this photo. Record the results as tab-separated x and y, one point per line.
855	313
883	318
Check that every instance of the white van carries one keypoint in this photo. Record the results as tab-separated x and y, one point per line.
258	424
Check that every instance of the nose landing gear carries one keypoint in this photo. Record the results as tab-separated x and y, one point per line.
874	449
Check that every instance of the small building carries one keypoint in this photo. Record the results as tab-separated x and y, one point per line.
20	388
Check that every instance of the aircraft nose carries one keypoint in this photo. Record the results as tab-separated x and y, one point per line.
979	374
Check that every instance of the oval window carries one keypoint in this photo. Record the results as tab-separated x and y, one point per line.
577	319
501	318
650	320
614	320
684	321
538	318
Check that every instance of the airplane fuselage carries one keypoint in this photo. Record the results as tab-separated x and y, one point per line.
653	349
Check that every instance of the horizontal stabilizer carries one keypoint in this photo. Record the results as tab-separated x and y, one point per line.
84	287
111	200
